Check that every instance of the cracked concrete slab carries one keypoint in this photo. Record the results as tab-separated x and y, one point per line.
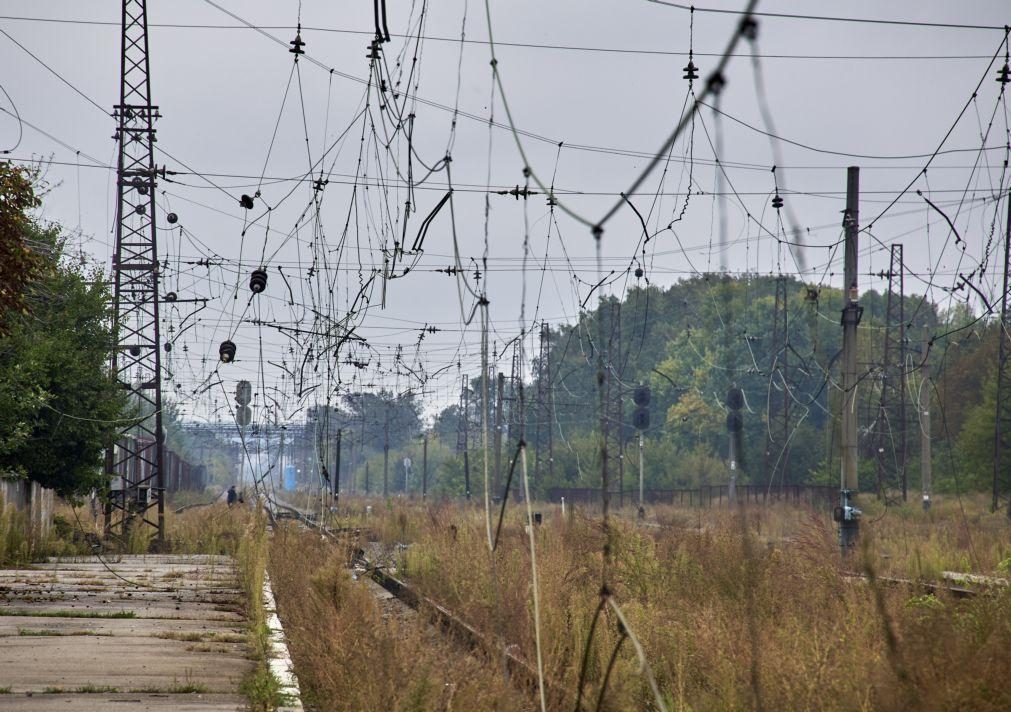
138	632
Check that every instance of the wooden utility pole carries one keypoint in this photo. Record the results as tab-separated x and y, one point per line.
349	483
641	478
280	454
925	464
465	437
386	452
424	467
363	453
337	468
847	515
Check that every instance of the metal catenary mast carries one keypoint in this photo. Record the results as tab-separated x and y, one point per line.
890	425
544	461
135	462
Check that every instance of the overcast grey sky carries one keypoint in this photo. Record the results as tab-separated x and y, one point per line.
599	84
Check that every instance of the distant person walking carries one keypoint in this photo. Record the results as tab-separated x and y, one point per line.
233	496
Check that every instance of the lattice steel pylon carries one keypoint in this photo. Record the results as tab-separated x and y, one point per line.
135	462
515	405
1002	419
891	443
545	415
777	432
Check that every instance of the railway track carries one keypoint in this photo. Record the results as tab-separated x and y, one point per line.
521	672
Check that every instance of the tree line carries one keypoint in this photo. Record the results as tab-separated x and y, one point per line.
693	341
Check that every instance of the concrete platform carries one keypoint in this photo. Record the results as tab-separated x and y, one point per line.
133	633
122	701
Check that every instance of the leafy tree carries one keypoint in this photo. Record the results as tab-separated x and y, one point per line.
967	363
384	414
369	421
19	263
975	441
692	341
450	479
59	405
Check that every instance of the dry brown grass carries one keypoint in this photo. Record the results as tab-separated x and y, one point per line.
736	610
351	654
214	529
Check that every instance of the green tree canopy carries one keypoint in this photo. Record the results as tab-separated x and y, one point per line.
59	405
19	263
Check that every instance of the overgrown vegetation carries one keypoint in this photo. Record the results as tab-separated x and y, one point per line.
76	531
261	688
352	654
742	609
20	543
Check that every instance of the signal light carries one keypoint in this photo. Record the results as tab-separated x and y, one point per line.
243	415
640	419
641	396
226	352
172	218
243	392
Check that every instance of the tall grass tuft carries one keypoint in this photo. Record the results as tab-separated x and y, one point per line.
17	546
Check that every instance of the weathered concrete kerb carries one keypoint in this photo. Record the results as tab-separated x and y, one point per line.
133	633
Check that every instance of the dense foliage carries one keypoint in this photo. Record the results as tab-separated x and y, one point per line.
690	343
19	264
59	406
